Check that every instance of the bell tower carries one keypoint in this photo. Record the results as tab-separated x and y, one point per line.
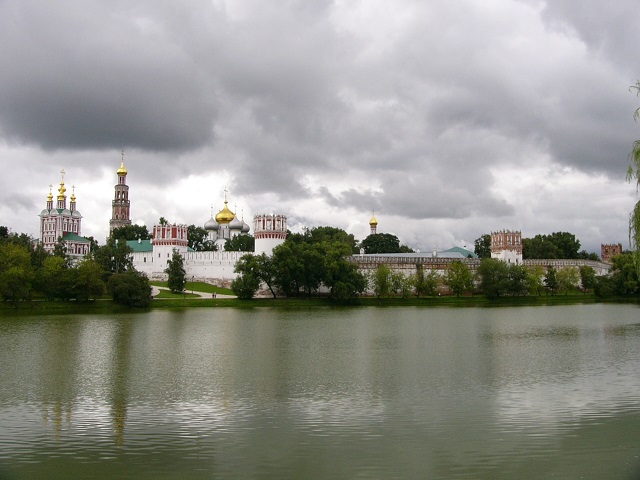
120	205
373	224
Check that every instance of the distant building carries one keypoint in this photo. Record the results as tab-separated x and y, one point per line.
59	222
609	251
120	205
506	245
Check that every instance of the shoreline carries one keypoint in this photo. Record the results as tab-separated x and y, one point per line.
108	306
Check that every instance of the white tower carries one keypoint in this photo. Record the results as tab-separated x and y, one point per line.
506	245
269	230
166	239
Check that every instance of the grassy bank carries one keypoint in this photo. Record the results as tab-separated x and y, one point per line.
188	301
198	287
446	301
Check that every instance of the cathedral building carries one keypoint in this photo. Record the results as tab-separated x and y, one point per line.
57	222
225	226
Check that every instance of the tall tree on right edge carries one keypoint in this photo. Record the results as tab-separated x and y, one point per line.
633	173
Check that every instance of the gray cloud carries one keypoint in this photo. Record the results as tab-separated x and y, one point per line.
426	102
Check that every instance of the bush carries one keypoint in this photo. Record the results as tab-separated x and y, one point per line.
130	288
245	286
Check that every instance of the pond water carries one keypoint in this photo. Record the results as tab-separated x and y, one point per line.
451	393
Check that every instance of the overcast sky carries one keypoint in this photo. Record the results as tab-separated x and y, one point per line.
449	119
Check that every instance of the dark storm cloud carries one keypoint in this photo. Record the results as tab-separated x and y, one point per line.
410	107
92	76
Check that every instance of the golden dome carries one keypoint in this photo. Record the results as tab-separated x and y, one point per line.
225	215
122	170
61	191
73	194
50	196
373	221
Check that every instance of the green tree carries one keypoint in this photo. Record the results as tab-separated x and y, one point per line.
494	278
21	239
131	232
587	278
458	278
130	288
88	280
401	284
584	255
312	268
425	285
288	268
556	245
331	235
625	274
197	239
633	175
16	272
482	246
260	266
535	276
605	286
176	273
551	280
60	250
343	279
383	243
93	244
114	256
518	283
381	281
245	285
568	278
49	278
317	257
38	256
240	243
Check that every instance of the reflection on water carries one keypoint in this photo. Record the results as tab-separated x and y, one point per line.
369	393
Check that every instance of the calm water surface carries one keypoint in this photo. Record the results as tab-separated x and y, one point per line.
542	392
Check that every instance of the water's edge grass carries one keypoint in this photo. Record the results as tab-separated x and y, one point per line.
109	307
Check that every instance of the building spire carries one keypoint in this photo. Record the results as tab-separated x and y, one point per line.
373	223
62	189
122	171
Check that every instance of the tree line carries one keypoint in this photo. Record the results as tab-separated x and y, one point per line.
557	245
27	271
495	278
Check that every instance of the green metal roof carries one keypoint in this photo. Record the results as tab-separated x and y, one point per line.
140	246
72	237
462	251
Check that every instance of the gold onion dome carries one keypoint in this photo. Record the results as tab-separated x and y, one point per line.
122	170
50	196
225	215
373	221
61	191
